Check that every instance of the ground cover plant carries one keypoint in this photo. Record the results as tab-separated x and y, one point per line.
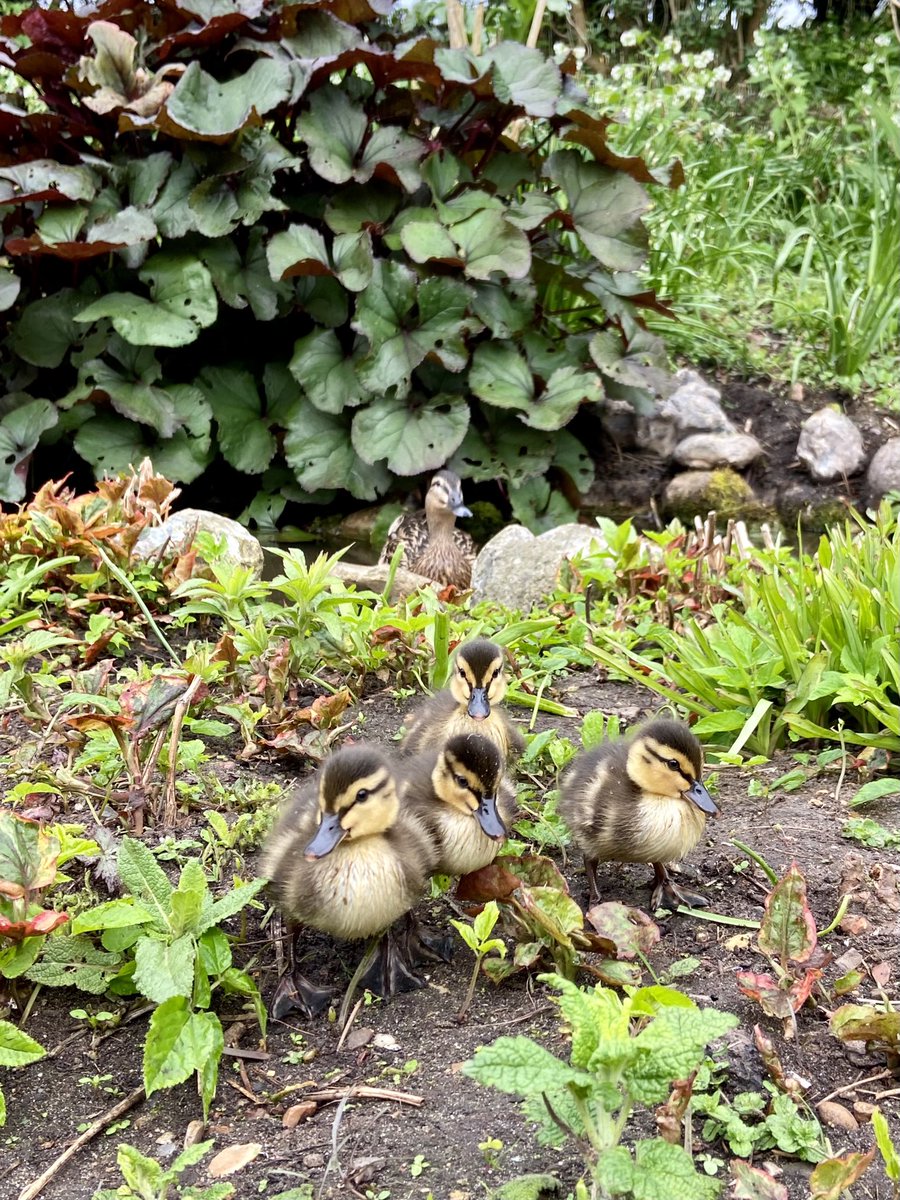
383	227
151	930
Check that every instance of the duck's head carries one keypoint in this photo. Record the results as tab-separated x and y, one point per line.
665	759
357	799
444	496
478	681
467	776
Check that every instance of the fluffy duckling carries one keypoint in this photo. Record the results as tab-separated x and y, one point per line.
639	799
470	704
432	545
464	798
346	858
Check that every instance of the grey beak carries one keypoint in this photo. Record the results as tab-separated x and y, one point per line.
479	708
461	510
701	797
327	836
488	818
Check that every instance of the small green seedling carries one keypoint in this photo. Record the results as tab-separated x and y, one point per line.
418	1165
887	1150
145	1178
490	1149
477	937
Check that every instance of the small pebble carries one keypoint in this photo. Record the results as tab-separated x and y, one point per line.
836	1115
297	1113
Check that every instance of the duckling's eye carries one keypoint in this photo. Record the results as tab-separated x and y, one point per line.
362	794
462	672
673	765
496	673
461	780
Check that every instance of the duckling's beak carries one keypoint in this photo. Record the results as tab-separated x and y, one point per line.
701	797
489	819
461	511
328	835
478	704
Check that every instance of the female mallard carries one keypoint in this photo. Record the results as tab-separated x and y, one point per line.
470	704
346	858
464	798
639	799
432	545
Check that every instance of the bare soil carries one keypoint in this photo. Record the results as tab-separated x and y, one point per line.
369	1147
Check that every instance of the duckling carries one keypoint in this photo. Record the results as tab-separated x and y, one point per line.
346	858
464	798
639	799
470	704
432	545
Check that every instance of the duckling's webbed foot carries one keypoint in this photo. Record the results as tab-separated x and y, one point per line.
590	870
297	993
667	893
391	970
425	945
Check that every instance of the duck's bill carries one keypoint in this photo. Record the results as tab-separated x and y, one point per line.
478	704
462	511
701	797
488	818
327	836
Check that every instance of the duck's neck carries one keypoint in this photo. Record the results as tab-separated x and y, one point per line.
441	522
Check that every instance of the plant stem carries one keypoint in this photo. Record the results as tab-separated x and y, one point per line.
129	587
467	1002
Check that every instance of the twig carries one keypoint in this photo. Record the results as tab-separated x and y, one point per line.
355	1092
126	583
111	1114
346	1029
333	1160
851	1087
181	709
244	1092
840	782
884	1095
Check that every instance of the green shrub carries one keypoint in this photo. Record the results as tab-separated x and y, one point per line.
263	231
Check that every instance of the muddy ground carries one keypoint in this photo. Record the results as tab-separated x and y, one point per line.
369	1147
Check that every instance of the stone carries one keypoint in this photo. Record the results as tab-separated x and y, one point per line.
656	434
884	470
696	409
830	445
517	569
174	537
695	493
717	450
837	1115
372	577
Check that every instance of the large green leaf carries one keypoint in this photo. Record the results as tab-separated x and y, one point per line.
328	377
164	969
47	328
21	427
183	302
605	206
501	376
203	108
319	450
356	207
299	250
44	179
521	1066
413	437
522	76
180	1042
18	1048
10	286
567	389
489	245
244	435
133	398
400	341
659	1171
514	453
335	129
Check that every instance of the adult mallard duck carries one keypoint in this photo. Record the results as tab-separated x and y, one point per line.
470	704
346	858
639	799
462	795
432	545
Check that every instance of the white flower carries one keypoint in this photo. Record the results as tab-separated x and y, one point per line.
883	39
629	37
868	67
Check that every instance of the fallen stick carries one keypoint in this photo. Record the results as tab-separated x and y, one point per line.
111	1114
332	1095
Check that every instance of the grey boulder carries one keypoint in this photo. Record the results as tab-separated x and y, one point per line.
175	536
830	445
517	569
702	450
884	470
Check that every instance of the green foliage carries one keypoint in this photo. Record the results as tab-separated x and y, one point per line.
423	224
17	1049
887	1149
624	1053
752	1122
146	1179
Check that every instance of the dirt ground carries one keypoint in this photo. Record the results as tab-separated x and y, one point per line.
413	1044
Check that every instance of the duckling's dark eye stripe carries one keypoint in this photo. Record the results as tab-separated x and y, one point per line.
371	791
688	779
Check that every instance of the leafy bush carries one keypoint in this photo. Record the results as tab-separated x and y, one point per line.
279	233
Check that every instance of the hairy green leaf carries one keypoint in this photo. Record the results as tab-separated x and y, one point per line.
17	1048
164	969
412	437
521	1066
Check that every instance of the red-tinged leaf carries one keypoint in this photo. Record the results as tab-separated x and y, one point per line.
859	1023
535	870
800	989
85	722
616	973
386	633
27	856
831	1178
225	651
324	710
91	652
151	702
44	921
750	1183
628	931
773	1063
670	1115
788	930
764	989
493	882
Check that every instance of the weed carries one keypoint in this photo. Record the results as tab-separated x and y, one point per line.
477	937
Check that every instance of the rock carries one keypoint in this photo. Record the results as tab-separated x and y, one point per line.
808	505
656	434
517	569
695	408
695	493
717	450
372	577
298	1112
358	526
176	534
836	1115
830	445
884	470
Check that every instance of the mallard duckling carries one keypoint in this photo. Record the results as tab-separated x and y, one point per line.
346	858
470	704
432	545
639	799
464	798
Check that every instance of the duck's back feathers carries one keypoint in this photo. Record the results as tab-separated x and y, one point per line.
411	531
